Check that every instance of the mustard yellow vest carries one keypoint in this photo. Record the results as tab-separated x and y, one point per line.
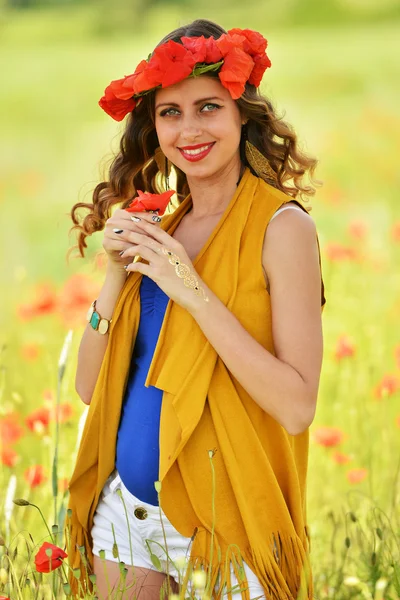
210	428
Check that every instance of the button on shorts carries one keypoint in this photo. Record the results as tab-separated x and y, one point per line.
141	535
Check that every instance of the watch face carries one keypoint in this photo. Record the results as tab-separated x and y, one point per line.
89	314
103	326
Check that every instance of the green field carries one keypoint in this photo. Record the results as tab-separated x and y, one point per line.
339	89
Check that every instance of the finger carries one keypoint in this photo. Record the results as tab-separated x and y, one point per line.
159	234
130	224
140	267
143	216
140	250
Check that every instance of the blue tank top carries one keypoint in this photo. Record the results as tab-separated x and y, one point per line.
137	449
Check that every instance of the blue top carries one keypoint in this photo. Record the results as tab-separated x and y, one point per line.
137	450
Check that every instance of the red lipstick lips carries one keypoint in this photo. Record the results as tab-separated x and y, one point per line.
197	152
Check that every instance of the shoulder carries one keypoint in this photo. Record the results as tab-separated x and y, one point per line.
289	229
290	242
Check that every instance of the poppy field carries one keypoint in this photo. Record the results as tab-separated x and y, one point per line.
340	96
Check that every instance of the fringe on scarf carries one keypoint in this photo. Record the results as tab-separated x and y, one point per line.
284	572
80	557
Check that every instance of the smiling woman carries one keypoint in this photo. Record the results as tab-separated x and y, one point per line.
214	347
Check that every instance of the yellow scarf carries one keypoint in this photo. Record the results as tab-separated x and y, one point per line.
260	470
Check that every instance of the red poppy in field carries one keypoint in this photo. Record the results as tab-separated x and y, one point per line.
63	484
388	386
356	475
147	201
76	296
30	352
327	436
65	412
38	420
4	598
35	475
344	347
48	395
340	458
336	252
10	429
396	232
9	457
44	303
45	563
397	356
357	229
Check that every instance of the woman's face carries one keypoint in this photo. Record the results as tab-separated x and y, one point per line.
198	126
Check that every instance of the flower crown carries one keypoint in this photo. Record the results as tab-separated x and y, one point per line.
238	56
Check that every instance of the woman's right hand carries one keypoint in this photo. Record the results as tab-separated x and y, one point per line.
114	243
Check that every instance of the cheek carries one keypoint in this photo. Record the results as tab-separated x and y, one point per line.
165	132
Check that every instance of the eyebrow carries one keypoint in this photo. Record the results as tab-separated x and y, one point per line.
194	103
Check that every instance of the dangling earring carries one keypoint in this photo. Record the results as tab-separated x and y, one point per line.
258	162
163	165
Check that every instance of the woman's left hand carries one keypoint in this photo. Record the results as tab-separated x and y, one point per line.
149	246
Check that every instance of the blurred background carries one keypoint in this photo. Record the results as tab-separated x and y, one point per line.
335	78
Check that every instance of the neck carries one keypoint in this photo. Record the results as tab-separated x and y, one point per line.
210	196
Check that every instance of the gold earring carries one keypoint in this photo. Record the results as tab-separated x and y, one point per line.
259	163
163	164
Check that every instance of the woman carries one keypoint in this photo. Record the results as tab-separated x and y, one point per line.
204	375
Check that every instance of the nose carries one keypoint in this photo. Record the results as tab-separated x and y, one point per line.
190	129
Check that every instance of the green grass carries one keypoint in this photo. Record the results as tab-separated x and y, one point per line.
338	87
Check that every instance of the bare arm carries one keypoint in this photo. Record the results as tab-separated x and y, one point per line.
93	345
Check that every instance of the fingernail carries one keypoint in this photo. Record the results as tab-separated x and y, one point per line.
135	219
121	253
126	266
156	218
118	230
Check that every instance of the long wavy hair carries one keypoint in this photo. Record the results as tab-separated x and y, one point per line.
135	166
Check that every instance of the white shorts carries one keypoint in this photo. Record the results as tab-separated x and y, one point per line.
146	534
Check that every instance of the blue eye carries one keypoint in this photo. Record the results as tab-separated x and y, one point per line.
167	111
217	106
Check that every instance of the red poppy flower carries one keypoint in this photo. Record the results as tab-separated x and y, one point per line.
10	429
356	475
254	42
114	105
261	63
76	295
35	476
344	347
340	458
235	71
327	436
171	62
147	201
65	412
45	302
144	78
204	50
30	352
4	598
9	457
45	563
38	420
388	386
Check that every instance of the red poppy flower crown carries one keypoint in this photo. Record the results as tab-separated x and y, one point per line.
238	56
